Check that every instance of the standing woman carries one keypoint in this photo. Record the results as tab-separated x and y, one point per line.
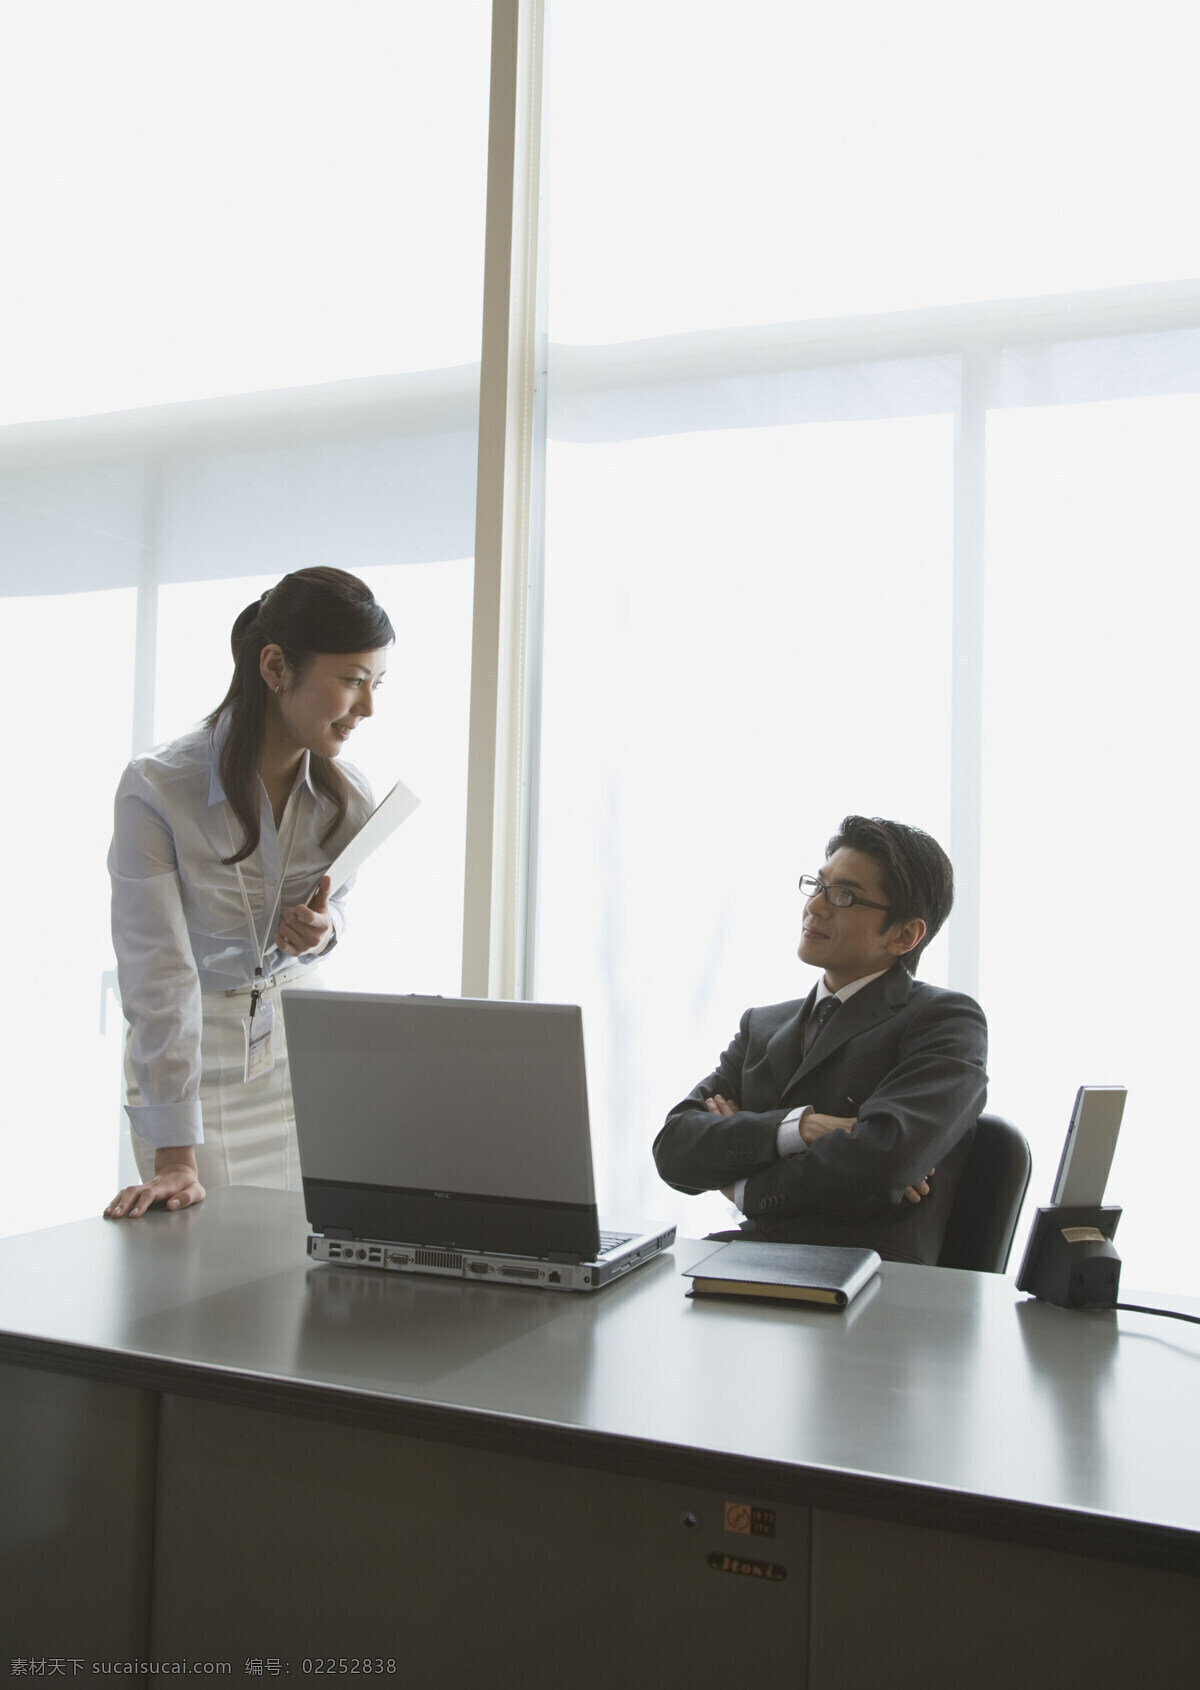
219	840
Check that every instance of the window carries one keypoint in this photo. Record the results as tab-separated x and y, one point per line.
241	337
871	400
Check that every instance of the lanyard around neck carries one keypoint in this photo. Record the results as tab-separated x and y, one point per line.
260	950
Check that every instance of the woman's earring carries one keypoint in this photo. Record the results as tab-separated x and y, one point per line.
278	690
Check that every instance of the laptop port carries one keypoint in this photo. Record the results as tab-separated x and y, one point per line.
479	1267
439	1259
554	1277
511	1272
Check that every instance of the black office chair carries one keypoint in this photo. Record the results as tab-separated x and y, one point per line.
989	1198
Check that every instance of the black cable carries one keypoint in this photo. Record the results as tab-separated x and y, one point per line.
1171	1314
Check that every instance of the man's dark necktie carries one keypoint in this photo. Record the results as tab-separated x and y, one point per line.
823	1013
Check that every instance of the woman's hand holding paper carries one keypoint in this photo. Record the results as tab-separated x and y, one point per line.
306	927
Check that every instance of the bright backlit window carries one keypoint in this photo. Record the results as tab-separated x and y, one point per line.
266	221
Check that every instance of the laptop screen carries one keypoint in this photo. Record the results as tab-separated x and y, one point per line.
478	1104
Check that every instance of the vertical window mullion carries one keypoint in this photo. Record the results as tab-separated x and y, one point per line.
966	705
146	634
493	944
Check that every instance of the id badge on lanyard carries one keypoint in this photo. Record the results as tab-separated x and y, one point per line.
258	1028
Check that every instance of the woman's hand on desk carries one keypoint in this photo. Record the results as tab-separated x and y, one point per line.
306	927
175	1184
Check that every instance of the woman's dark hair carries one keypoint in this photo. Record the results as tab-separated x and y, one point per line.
309	612
914	871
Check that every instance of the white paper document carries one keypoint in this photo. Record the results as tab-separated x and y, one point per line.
383	821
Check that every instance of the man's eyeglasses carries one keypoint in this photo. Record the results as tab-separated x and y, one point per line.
841	897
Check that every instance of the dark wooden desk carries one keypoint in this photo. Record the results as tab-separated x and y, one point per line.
213	1449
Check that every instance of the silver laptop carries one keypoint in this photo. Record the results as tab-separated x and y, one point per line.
450	1136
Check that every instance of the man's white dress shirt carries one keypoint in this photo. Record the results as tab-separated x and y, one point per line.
178	922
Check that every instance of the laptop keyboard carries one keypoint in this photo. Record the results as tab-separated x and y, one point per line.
610	1241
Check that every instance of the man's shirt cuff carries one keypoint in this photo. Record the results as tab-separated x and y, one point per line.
787	1139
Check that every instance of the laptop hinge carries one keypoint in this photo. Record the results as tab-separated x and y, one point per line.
568	1258
336	1232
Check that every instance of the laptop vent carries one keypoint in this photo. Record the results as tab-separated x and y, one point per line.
437	1259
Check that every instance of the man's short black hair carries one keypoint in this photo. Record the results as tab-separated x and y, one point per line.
914	871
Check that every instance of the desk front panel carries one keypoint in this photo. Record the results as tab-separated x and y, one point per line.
912	1608
77	1479
298	1539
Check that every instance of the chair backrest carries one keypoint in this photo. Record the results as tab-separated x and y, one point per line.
989	1198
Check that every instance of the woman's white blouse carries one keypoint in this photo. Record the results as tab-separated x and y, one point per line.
178	921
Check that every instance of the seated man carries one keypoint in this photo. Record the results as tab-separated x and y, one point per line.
846	1117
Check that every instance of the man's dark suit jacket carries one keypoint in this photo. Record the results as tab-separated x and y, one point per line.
906	1059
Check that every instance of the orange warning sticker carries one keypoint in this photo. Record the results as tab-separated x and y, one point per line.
748	1521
